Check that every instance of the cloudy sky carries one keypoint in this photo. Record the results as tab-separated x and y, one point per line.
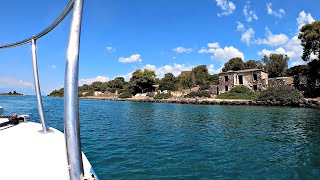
120	36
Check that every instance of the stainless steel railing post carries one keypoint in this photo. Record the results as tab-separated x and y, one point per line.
37	86
71	101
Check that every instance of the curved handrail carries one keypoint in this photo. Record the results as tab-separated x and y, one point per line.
64	13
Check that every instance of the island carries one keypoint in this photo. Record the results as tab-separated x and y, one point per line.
14	93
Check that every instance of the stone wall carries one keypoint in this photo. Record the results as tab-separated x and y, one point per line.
247	79
280	81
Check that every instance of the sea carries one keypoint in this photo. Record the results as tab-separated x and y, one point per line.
135	140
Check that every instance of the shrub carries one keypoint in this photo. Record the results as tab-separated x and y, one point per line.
194	94
125	95
162	96
239	92
280	93
204	87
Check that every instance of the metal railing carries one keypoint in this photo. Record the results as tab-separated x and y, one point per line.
71	101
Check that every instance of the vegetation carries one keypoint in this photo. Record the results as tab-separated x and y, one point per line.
194	94
187	79
57	93
142	81
239	92
162	96
276	64
14	93
201	76
125	95
236	64
310	41
280	93
214	79
169	82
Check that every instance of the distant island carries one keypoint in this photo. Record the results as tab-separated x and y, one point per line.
14	93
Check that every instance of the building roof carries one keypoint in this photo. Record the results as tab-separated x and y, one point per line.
242	71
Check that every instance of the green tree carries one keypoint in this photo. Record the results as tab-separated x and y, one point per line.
168	82
310	40
276	64
99	86
234	64
252	64
214	79
298	70
187	79
142	81
117	83
201	75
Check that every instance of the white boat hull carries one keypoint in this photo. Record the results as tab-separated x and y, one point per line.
26	153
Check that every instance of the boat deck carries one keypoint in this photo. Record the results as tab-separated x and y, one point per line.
26	153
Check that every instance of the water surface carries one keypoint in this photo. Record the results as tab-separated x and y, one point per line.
131	140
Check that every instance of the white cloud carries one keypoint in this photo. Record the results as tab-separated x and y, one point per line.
53	66
240	26
212	69
227	7
273	39
226	53
292	49
213	45
249	14
91	80
182	50
110	49
297	62
279	50
132	58
304	18
174	69
222	54
278	14
247	35
8	82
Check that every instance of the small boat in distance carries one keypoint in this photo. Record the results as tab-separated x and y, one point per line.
33	150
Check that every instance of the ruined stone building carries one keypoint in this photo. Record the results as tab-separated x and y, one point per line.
255	79
280	81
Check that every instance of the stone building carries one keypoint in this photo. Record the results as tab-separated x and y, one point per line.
255	79
280	81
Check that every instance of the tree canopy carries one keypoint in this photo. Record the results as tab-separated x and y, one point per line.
187	79
201	75
169	82
233	64
310	40
142	80
276	64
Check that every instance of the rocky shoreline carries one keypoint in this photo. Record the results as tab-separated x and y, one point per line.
306	103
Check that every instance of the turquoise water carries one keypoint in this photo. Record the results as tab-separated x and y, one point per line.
128	140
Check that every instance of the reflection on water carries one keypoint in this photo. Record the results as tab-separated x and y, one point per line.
150	141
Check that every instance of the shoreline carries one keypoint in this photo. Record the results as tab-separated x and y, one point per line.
307	103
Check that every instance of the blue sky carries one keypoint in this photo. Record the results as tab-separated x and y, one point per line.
120	36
